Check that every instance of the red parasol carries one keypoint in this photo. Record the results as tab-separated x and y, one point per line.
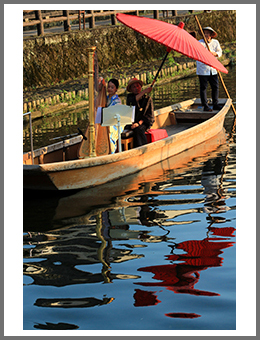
173	37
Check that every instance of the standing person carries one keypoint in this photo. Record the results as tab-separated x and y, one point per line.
144	112
208	74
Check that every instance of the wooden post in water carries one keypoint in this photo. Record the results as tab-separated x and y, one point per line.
92	139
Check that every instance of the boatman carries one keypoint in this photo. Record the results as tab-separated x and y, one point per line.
208	74
144	112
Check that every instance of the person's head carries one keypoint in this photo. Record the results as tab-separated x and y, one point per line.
209	33
112	86
134	86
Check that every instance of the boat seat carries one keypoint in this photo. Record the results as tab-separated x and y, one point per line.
127	134
127	140
127	143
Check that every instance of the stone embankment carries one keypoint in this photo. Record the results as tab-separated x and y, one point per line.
74	94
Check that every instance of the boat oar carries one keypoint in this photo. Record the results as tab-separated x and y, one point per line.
220	77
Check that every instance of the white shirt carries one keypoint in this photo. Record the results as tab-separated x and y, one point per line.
203	69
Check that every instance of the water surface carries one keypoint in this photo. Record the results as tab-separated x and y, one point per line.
154	251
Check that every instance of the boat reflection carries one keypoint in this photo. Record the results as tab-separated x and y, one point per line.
107	225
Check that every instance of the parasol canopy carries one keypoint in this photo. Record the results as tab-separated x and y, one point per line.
173	37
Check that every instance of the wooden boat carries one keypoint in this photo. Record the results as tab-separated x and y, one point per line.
78	207
57	166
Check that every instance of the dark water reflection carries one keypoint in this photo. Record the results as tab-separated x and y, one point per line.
154	251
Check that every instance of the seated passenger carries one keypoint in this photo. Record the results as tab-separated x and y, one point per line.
144	112
113	99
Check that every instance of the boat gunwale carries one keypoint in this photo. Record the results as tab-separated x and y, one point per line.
113	158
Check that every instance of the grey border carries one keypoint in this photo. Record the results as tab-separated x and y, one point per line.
134	2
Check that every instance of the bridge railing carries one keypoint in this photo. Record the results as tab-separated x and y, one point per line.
42	18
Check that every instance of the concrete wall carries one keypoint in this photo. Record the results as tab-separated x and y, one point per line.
60	57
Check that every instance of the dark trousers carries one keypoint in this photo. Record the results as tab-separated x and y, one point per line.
139	134
213	81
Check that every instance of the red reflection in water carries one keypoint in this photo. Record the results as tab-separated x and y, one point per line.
182	277
145	298
227	231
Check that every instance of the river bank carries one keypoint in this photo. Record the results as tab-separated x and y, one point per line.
73	94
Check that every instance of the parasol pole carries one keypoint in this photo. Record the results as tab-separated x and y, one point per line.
92	142
165	57
220	77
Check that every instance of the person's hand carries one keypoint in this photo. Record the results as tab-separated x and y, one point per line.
134	125
101	83
140	95
148	89
214	53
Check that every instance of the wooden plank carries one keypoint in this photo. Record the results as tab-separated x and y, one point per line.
195	111
31	23
56	19
200	115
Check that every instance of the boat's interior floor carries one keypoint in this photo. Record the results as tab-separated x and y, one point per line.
173	129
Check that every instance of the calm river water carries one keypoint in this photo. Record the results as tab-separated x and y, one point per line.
155	251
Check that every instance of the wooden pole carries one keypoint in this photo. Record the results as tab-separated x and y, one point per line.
156	15
92	139
220	77
91	19
67	26
79	16
84	20
113	19
40	27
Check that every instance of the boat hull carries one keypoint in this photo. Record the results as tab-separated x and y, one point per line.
92	172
